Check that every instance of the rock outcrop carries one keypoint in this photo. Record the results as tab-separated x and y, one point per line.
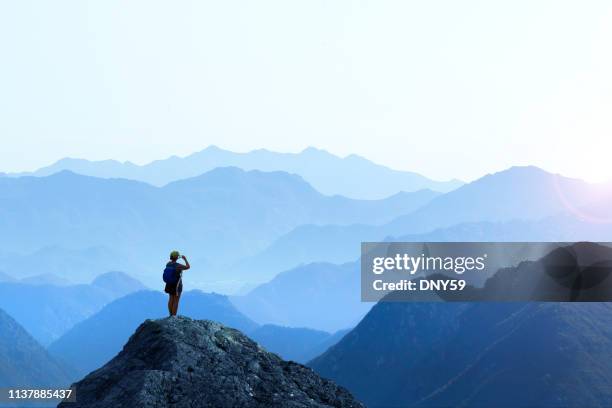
180	362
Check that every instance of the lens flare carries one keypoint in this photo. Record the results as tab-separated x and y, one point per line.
600	196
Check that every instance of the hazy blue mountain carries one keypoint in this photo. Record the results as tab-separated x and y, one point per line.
564	228
521	203
590	222
216	217
261	305
329	342
321	296
368	359
24	362
118	283
75	265
94	341
519	193
277	192
72	211
329	243
45	279
48	311
307	244
477	355
294	343
353	176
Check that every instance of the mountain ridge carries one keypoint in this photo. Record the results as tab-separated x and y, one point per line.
25	363
47	311
313	164
497	206
230	212
449	354
332	293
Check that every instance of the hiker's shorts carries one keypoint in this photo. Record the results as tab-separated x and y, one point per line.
174	288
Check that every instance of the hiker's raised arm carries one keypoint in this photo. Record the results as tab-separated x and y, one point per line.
187	266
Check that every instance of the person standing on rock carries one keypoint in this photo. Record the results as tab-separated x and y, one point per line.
174	283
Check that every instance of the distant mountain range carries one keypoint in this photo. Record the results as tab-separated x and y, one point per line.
46	311
290	250
24	362
561	228
246	227
71	265
217	217
519	193
321	296
293	343
336	289
521	203
352	176
477	355
308	244
45	279
42	279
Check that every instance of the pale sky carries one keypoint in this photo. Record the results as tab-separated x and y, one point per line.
444	88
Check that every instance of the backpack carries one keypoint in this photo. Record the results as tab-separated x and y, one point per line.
170	276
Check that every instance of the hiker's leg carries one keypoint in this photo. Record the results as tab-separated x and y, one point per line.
170	303
177	297
176	303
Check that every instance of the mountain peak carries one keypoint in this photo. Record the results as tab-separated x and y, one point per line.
527	175
66	173
188	362
528	171
212	148
225	177
208	150
118	282
315	150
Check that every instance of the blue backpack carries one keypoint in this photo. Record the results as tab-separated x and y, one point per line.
170	275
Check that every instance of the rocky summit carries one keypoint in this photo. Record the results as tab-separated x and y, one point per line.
180	362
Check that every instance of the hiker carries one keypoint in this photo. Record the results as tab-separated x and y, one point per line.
174	283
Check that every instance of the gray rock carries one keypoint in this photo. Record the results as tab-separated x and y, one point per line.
180	362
